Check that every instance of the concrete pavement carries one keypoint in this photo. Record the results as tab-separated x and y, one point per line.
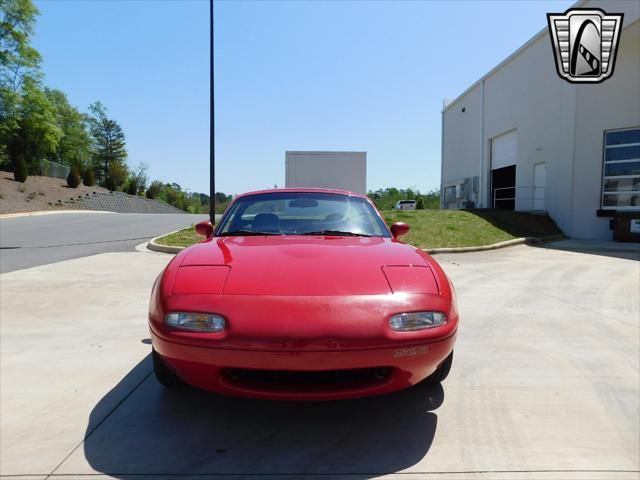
39	240
545	383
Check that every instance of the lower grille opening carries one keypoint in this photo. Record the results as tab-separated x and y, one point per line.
307	380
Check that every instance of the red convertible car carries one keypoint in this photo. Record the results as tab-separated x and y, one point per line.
302	294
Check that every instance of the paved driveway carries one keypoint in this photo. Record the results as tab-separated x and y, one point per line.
30	241
545	383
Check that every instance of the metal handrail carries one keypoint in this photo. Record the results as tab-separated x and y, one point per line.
502	199
531	197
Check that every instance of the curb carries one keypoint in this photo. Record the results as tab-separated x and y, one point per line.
156	247
47	212
495	246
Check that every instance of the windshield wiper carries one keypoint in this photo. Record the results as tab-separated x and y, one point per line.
337	233
246	233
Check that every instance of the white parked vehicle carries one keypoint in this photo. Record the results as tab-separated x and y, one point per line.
405	205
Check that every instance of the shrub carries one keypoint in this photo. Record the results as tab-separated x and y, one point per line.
73	179
420	204
20	171
88	177
154	189
132	187
116	176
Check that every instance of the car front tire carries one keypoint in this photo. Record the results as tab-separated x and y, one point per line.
441	372
166	377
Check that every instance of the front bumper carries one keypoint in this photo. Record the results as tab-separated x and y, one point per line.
208	368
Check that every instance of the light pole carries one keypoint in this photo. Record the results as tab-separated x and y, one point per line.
212	137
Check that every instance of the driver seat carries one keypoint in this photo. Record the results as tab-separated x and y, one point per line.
266	222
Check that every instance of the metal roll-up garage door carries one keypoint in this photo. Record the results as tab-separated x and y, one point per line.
503	150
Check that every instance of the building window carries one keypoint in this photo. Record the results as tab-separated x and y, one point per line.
621	170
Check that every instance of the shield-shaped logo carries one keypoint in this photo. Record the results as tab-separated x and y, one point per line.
585	42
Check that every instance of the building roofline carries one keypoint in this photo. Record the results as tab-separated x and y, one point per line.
336	191
522	48
323	152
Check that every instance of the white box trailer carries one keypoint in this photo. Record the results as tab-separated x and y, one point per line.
343	170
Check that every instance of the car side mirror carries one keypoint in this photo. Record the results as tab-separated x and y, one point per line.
204	228
399	228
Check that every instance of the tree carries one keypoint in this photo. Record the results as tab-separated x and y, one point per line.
74	147
19	63
20	170
116	175
432	199
139	176
18	60
154	189
171	194
9	122
420	203
386	198
28	125
132	186
222	197
109	145
38	134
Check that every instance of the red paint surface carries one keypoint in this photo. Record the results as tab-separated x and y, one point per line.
200	279
303	304
411	279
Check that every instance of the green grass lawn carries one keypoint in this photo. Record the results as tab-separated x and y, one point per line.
441	228
181	238
469	228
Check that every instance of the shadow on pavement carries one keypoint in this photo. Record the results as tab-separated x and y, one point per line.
526	224
154	431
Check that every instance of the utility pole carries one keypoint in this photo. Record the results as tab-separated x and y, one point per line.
212	136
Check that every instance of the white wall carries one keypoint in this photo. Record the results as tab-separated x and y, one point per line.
341	170
462	142
557	122
610	105
528	95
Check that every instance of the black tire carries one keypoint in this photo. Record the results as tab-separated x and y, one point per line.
165	376
441	372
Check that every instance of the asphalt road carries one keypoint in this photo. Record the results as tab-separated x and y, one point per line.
39	240
544	384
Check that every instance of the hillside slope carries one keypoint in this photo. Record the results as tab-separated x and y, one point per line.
38	193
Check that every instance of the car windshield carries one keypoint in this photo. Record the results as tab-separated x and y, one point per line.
302	213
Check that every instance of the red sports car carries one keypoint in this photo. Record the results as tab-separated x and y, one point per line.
302	294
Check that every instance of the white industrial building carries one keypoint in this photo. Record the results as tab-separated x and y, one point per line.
523	138
342	170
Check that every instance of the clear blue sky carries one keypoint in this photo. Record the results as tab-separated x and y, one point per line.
337	75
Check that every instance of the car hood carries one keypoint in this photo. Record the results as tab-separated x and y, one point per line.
303	266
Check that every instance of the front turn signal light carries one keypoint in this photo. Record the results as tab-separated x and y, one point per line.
196	322
410	322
